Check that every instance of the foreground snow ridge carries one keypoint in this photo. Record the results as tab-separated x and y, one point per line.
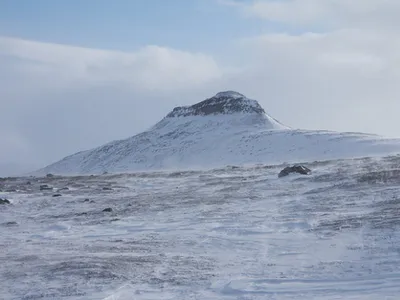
226	129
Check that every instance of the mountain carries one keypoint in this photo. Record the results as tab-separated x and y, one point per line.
226	129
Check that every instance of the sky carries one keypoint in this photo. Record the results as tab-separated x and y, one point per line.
77	74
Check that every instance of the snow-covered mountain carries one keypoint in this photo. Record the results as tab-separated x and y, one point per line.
226	129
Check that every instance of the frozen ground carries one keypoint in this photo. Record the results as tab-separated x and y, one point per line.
232	233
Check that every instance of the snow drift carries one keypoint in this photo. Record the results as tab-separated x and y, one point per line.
227	129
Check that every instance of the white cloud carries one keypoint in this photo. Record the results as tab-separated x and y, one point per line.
332	13
151	67
343	80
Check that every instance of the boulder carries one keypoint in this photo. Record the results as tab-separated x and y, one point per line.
294	169
45	187
4	201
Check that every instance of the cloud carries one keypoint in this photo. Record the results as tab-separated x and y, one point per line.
149	68
341	80
335	14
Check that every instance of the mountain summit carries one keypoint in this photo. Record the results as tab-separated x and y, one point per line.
227	108
226	129
228	102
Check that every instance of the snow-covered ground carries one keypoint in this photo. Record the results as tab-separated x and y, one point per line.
231	233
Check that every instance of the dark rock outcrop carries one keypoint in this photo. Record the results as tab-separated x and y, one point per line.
294	169
109	209
56	195
4	201
228	102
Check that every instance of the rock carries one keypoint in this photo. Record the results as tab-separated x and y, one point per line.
57	195
107	188
4	201
49	175
86	200
294	169
45	187
228	102
109	209
63	189
9	224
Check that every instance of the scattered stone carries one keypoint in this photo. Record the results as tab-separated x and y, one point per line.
12	223
86	200
114	220
57	195
109	209
92	201
106	188
28	183
45	187
4	201
50	175
294	169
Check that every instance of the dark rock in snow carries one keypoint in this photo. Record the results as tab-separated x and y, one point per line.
49	175
294	169
109	209
45	187
107	188
57	195
4	201
9	224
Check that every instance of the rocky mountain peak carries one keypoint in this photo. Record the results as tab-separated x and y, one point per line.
226	102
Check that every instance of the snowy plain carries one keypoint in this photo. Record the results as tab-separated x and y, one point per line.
228	233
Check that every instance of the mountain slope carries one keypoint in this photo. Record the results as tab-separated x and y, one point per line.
226	129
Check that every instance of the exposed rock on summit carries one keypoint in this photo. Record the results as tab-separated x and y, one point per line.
228	102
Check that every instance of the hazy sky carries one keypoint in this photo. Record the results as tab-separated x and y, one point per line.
76	74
